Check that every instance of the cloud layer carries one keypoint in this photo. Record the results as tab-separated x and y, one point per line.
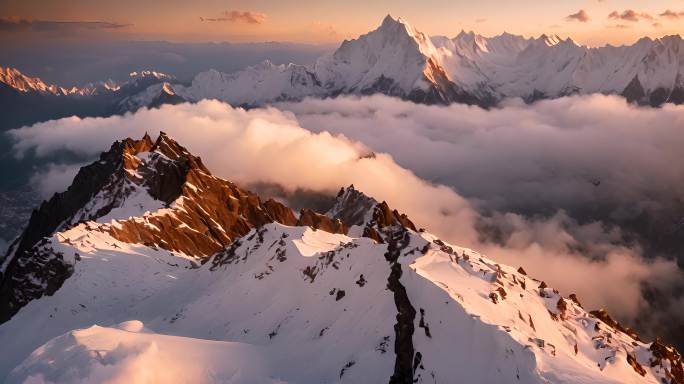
536	158
11	24
248	17
597	154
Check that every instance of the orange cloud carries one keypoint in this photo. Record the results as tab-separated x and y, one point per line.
248	17
630	15
672	14
582	16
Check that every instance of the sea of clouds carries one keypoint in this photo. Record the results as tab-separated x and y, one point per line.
546	186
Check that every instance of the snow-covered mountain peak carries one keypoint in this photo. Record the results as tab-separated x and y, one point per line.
391	59
398	60
147	73
16	80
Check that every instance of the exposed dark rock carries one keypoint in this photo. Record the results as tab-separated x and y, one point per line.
632	361
340	294
307	217
346	367
406	313
634	92
602	315
574	298
562	306
661	353
423	323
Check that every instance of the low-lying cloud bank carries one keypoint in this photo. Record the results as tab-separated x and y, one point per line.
540	157
563	153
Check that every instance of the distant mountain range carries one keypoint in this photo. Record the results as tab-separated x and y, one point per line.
31	100
396	60
245	290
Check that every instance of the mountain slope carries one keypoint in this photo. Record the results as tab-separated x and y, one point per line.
216	272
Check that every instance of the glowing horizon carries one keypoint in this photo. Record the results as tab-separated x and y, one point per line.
592	23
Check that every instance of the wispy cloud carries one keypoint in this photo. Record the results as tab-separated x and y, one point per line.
9	24
669	14
582	16
630	15
621	26
247	17
480	20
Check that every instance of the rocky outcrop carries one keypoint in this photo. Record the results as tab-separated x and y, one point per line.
668	358
634	92
30	273
606	318
354	208
351	206
307	217
207	213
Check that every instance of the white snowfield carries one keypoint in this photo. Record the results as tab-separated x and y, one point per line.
294	305
395	59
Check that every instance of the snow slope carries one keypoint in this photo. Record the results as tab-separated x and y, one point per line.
129	353
238	297
380	302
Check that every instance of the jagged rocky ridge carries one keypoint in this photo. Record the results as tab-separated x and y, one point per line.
147	233
194	213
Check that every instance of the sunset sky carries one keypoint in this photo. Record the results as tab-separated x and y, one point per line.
591	22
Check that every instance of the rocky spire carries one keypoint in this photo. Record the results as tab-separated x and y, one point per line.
354	208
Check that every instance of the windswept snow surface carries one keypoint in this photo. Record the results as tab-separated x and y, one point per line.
128	353
291	304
